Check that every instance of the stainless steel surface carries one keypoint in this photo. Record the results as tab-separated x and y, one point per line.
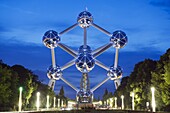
101	65
68	83
85	61
68	29
51	39
115	72
84	58
119	39
101	29
67	65
100	50
85	19
101	83
67	49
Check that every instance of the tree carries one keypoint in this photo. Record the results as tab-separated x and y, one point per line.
160	80
8	88
61	93
26	78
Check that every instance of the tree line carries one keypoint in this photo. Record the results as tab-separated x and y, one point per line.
13	77
146	74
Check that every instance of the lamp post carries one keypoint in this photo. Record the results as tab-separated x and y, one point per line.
38	101
133	98
122	97
111	102
47	102
153	99
115	102
62	103
58	103
54	102
20	99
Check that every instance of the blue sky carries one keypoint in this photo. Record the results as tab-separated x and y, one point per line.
23	23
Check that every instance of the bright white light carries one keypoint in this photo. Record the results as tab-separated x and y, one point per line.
133	103
58	103
47	102
115	102
20	99
111	102
54	102
122	97
38	101
153	99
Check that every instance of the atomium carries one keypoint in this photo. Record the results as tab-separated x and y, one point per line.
51	39
85	61
84	58
84	96
115	72
85	19
119	39
54	72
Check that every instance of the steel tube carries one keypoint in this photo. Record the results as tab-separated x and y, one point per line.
64	80
53	57
67	65
100	50
68	29
116	58
101	29
101	65
68	50
85	37
97	86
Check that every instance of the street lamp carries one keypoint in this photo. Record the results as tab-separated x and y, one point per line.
153	99
133	104
38	101
47	102
122	97
54	102
20	99
115	102
111	102
58	103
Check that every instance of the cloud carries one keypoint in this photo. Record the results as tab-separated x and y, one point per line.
38	58
165	4
3	29
160	3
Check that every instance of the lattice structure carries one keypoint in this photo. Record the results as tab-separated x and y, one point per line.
85	58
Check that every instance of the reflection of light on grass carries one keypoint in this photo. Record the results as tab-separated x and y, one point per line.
20	99
38	101
153	99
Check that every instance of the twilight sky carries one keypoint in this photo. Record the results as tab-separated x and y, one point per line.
23	23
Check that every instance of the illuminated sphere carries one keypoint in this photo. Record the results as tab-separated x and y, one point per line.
51	39
84	96
119	39
115	73
85	61
85	19
54	73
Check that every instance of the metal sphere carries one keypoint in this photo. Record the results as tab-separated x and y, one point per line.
85	96
54	72
51	39
85	19
119	39
115	73
85	61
